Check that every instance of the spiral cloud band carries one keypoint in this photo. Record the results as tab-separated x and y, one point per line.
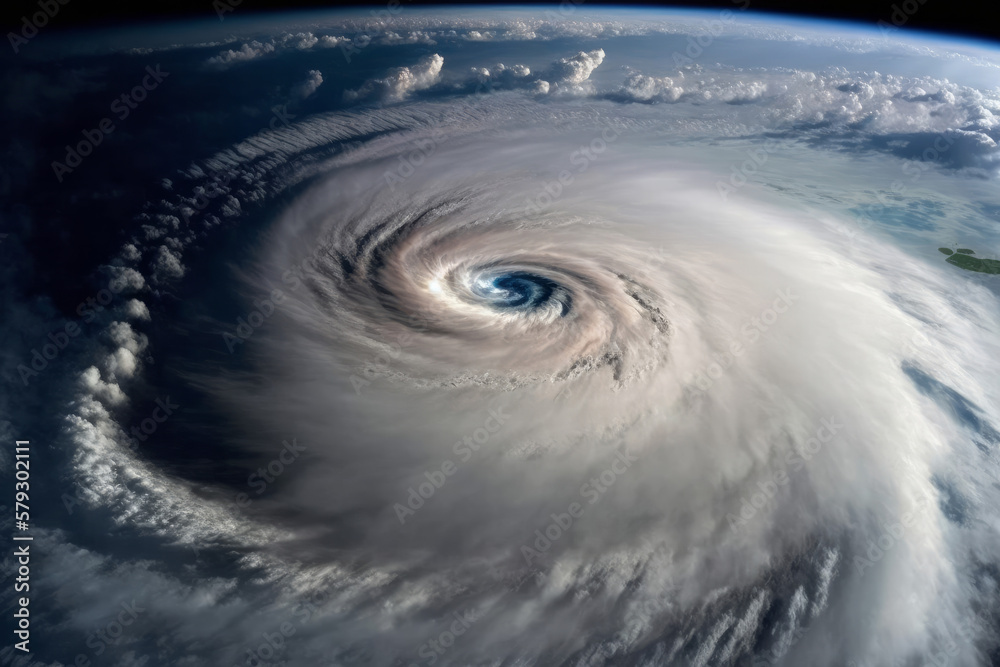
559	364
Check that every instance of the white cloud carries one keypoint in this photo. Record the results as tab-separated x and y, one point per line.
131	253
121	363
330	41
151	233
502	32
125	279
136	310
400	82
108	392
167	264
248	51
576	70
124	336
872	108
500	71
566	75
412	37
643	88
305	88
301	40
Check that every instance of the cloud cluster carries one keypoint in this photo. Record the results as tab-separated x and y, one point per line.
640	87
254	49
310	85
901	115
167	265
565	76
577	69
398	83
248	51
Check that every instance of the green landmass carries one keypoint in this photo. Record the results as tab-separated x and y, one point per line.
969	263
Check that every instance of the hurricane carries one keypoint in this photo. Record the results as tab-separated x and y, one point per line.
502	364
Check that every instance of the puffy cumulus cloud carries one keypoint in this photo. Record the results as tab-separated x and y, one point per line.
121	363
124	336
248	51
516	31
310	85
576	70
131	253
136	310
409	37
330	41
125	279
551	24
520	30
545	26
476	36
503	76
740	92
566	75
400	82
151	233
300	41
153	227
923	119
966	148
167	265
107	474
640	87
231	206
107	392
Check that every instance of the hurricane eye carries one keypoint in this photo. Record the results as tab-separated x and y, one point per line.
520	291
